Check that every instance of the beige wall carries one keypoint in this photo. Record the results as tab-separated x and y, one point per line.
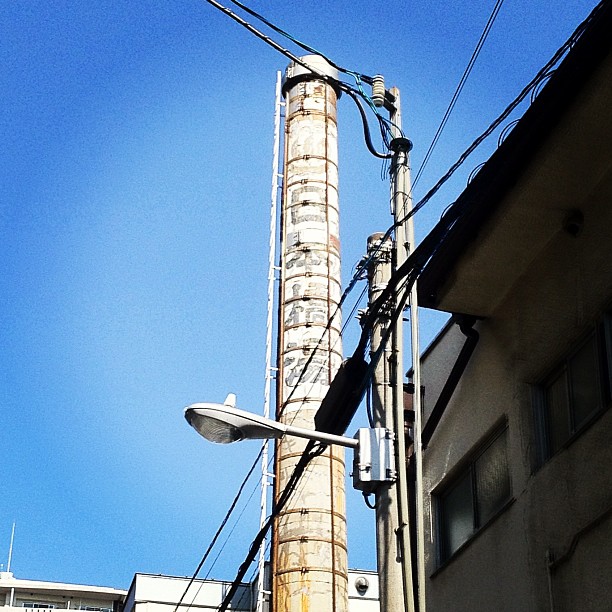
564	290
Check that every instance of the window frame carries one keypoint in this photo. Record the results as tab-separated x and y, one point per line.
601	334
467	467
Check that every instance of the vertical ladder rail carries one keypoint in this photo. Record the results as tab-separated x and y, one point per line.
265	474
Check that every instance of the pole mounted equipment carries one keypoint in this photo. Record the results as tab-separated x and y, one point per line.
378	90
374	459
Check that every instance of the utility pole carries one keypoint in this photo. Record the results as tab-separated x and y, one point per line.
389	550
394	550
401	206
310	566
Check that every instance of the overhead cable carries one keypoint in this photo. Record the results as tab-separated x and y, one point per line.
355	278
542	73
312	450
366	129
409	271
364	77
229	535
346	87
400	283
466	74
272	43
219	530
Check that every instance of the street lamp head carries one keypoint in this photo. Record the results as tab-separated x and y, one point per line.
223	423
211	428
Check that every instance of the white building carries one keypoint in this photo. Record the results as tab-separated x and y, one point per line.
156	593
18	595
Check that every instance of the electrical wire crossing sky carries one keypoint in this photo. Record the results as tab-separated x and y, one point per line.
134	215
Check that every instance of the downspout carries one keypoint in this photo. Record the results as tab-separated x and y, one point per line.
466	324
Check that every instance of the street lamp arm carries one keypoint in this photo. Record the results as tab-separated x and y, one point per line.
321	436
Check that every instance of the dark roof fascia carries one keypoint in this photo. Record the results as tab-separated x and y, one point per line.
484	194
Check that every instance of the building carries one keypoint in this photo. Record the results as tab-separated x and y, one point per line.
18	595
158	593
517	387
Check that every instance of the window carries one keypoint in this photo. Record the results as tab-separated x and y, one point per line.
474	496
576	391
37	604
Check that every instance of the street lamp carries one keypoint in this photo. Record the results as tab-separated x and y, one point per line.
373	463
224	423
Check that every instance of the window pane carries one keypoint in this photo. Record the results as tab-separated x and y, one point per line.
457	515
492	479
584	382
557	406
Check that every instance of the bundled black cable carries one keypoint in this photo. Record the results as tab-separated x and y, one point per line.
364	77
313	449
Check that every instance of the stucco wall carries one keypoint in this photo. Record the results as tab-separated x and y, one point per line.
506	566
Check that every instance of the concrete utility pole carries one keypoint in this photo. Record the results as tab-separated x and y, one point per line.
388	549
401	205
393	535
310	552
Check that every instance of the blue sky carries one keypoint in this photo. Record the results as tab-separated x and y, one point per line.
135	174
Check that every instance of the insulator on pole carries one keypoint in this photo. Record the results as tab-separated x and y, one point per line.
378	90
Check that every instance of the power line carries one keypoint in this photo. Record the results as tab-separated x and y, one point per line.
246	505
383	122
366	129
466	74
542	73
312	450
219	530
364	77
345	325
416	262
269	41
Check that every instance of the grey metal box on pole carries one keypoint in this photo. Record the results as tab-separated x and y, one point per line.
374	461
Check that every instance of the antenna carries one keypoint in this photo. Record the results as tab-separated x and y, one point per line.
10	556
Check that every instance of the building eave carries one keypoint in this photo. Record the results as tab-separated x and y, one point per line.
521	196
